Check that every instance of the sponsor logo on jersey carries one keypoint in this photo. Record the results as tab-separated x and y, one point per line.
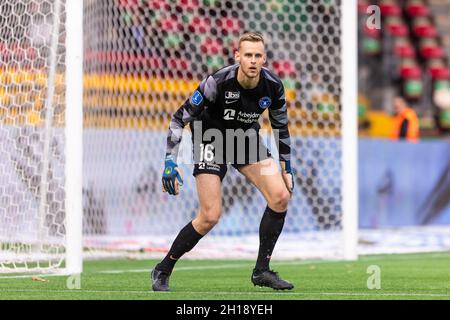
232	95
265	102
246	117
229	114
230	102
196	98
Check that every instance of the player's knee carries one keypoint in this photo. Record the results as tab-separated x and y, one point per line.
209	216
279	201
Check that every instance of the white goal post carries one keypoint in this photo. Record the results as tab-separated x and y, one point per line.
84	115
41	136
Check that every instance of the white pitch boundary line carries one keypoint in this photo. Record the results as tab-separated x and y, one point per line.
208	267
237	293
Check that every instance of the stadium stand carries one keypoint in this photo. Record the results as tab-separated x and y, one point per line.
412	48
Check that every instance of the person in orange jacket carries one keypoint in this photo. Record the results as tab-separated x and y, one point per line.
406	122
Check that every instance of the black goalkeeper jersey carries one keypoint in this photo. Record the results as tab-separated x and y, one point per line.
221	103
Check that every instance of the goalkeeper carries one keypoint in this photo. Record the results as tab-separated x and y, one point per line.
230	102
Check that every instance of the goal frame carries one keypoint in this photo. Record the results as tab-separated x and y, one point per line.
349	98
74	137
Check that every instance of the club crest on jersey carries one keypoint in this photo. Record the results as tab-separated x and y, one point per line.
196	98
265	102
232	95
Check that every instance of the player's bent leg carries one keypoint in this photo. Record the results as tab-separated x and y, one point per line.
268	180
210	202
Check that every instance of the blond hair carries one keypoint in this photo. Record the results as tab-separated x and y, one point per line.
252	37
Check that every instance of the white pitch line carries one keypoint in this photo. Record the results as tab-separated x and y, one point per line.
148	270
41	275
208	267
225	266
238	293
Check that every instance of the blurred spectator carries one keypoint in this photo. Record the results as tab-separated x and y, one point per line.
406	123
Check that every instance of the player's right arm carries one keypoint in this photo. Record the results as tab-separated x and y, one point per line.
204	96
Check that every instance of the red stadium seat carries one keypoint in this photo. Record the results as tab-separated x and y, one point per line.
212	46
284	68
423	28
170	24
189	5
409	69
178	64
438	70
425	31
404	49
229	25
200	25
390	8
410	72
396	27
417	9
158	5
129	3
429	48
398	30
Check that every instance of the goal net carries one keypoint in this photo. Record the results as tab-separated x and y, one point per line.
142	60
37	177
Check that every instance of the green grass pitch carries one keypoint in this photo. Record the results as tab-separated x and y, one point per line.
407	276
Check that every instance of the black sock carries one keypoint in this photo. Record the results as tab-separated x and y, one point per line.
269	230
186	240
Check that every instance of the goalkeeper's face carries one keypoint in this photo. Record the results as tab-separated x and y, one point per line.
251	57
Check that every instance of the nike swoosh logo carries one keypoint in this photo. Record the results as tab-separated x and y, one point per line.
230	102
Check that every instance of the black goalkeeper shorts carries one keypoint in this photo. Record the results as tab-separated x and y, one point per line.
220	169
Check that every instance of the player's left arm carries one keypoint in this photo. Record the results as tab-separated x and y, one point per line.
280	124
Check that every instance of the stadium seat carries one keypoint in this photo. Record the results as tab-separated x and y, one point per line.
441	94
189	5
413	88
228	25
423	28
396	27
172	41
390	8
214	62
437	69
170	24
211	46
158	5
180	64
128	3
430	48
403	48
284	68
417	8
200	25
371	46
409	69
444	118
